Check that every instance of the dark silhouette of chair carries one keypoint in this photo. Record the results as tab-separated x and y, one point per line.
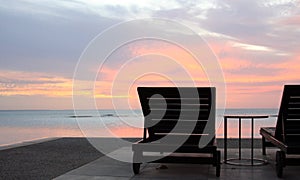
179	122
286	134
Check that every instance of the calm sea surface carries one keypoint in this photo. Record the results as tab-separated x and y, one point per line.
22	125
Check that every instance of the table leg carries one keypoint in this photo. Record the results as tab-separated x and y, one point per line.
240	138
225	139
252	124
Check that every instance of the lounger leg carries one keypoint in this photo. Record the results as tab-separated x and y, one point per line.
263	145
217	162
280	163
218	166
136	162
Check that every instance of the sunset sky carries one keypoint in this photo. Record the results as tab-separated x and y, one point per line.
257	43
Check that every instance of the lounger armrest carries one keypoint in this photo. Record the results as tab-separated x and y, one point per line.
267	131
139	141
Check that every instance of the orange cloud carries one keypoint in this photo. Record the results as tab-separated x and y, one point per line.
249	80
32	83
243	88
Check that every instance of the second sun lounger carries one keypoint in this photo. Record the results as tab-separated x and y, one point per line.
286	134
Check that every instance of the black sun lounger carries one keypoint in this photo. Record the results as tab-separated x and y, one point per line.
286	134
179	127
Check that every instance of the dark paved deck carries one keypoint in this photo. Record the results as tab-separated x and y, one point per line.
75	158
46	160
107	168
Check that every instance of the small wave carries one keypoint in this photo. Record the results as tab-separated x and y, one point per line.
115	115
103	115
84	116
108	115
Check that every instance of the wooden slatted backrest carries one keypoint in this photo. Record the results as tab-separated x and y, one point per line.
288	122
178	111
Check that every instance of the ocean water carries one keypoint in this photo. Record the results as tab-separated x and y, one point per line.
23	125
